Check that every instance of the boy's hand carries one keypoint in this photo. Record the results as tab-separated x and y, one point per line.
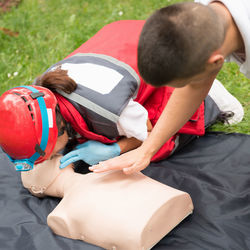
91	152
130	162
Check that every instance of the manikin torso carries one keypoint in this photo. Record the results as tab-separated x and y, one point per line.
111	210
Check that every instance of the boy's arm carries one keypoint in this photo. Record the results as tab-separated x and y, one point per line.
181	106
127	144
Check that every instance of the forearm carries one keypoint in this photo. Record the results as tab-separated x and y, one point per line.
181	106
127	144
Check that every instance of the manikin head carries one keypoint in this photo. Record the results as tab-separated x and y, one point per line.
31	127
180	44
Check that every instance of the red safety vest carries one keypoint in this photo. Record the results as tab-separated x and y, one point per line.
119	40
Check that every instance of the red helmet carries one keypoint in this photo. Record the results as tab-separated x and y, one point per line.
28	130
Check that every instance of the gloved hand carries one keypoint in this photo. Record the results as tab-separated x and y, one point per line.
92	152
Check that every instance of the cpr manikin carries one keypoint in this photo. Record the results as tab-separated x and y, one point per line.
110	210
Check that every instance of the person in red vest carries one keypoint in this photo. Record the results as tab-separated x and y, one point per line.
96	99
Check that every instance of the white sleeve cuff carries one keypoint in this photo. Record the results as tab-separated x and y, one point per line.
133	121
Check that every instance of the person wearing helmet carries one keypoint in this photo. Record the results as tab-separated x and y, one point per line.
28	125
38	129
95	98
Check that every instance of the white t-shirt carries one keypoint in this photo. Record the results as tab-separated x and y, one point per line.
133	121
240	11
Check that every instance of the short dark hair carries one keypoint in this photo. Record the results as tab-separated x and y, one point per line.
176	42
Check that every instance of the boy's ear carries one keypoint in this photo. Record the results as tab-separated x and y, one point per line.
216	60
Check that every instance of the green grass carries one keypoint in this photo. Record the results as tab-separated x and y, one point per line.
238	85
50	30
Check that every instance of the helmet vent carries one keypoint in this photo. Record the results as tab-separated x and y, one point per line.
24	98
29	107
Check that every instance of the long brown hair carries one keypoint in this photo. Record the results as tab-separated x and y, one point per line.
57	79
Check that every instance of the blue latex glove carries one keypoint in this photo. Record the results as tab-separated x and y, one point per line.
92	152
